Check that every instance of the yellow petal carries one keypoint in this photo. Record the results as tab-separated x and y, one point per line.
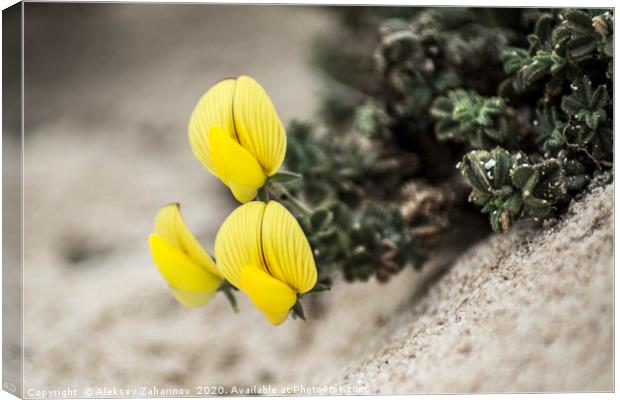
235	166
257	124
171	227
272	297
213	109
192	299
237	243
286	249
192	285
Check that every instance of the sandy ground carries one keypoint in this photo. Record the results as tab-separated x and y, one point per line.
106	146
530	311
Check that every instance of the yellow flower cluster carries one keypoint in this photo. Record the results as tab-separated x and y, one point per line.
260	248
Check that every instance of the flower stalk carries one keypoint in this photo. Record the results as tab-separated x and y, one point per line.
227	289
281	193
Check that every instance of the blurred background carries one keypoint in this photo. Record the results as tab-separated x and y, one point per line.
109	92
109	89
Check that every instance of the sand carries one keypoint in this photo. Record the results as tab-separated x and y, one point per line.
530	311
106	147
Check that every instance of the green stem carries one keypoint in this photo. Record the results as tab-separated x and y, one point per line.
225	288
298	309
263	194
294	202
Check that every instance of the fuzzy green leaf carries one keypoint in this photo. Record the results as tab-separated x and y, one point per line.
526	177
536	68
513	58
536	208
285	176
320	219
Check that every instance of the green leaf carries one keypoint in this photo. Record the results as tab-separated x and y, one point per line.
586	105
559	63
513	204
525	177
285	177
320	287
581	48
572	105
536	208
595	118
486	171
513	58
442	108
474	173
536	67
465	116
549	126
599	98
544	27
580	22
298	310
321	218
446	80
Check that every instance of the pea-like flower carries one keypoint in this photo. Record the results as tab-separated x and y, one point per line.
185	265
261	249
237	135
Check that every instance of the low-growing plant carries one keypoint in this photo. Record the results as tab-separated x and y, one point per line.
519	98
424	115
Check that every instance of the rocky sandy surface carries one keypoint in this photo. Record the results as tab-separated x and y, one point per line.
106	147
528	311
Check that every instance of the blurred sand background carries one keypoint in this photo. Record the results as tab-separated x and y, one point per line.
109	90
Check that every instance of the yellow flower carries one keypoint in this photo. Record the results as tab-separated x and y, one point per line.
186	267
261	249
237	135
